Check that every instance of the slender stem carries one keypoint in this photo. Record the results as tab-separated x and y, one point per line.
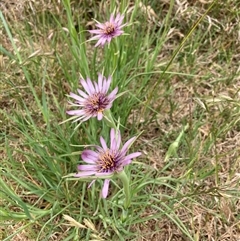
109	120
122	175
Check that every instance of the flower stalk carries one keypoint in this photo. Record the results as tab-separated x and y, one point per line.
125	181
109	119
94	101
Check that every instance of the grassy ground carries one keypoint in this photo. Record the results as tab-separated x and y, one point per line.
180	68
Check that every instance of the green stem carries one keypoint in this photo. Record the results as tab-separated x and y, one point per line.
125	181
109	119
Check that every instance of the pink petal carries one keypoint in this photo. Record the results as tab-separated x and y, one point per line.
87	167
100	83
108	82
109	38
101	41
75	112
112	95
112	138
105	188
90	85
76	97
83	94
118	33
98	43
104	85
117	18
99	115
128	159
95	37
103	143
96	31
126	162
96	87
120	19
85	86
111	18
115	139
126	145
100	25
90	153
89	156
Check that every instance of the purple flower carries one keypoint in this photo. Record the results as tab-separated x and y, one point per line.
106	161
107	31
95	101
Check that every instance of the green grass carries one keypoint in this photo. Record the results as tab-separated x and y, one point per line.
178	66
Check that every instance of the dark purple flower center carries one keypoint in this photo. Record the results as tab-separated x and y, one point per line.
107	162
109	29
96	103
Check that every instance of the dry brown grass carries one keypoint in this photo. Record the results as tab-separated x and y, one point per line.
215	215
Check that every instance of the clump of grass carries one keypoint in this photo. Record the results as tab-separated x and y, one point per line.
186	185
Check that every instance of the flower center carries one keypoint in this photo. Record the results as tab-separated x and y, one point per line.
106	162
96	103
109	29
